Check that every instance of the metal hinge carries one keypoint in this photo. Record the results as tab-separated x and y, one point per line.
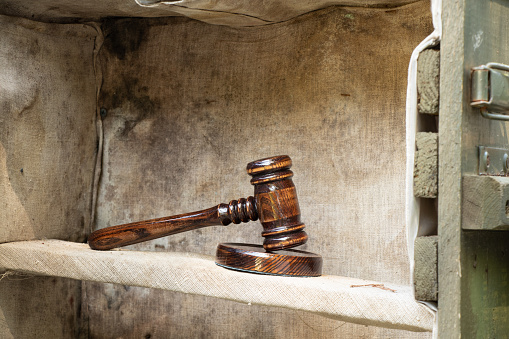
490	90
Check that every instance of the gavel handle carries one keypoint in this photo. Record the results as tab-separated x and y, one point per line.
242	210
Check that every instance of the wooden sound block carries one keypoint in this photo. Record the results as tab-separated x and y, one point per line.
254	258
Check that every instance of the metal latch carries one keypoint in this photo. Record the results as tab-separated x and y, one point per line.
490	90
493	161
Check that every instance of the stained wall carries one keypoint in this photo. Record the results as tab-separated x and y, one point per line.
187	105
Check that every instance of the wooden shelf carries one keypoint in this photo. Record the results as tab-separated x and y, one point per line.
347	299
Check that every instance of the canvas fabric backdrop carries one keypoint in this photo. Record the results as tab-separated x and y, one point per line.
188	105
235	13
48	133
48	149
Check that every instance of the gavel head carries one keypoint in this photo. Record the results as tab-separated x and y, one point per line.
276	203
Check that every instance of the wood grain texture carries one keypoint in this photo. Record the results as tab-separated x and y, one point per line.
237	211
254	258
452	85
485	202
426	165
277	203
428	81
472	300
426	268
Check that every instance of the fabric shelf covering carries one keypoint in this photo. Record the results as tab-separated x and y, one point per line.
348	299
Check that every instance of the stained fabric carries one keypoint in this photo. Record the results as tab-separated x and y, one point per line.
48	137
172	110
235	13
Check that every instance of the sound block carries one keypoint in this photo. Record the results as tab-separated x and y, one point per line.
254	259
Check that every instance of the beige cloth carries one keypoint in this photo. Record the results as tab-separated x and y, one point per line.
342	298
196	102
226	12
188	105
249	13
48	135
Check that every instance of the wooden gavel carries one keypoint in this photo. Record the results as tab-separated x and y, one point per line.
274	203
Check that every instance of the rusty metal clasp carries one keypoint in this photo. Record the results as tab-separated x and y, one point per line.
490	90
